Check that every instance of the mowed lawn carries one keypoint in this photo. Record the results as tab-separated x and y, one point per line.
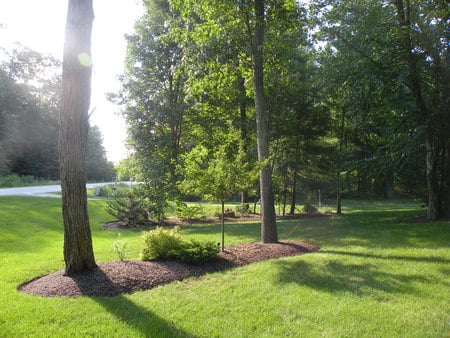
376	275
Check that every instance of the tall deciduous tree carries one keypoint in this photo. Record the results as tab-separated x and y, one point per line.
74	125
153	91
268	221
424	36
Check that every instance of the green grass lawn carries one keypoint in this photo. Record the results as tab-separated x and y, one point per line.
376	275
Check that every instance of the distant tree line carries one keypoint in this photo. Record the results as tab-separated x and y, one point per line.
30	85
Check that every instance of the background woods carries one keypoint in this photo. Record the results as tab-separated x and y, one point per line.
29	109
353	95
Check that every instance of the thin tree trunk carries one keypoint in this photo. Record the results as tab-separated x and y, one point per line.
284	194
338	194
223	226
74	125
294	193
268	221
339	166
243	126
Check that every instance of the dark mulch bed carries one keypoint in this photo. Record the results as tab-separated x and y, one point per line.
114	278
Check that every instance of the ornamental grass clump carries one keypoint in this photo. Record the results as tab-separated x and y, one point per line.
120	247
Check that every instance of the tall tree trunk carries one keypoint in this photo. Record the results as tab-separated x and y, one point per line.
268	221
389	187
74	125
436	117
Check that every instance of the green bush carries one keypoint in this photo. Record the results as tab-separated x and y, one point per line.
243	209
161	244
195	252
128	207
188	213
309	209
167	244
14	180
226	213
111	190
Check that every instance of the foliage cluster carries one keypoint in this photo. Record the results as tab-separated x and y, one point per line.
196	252
129	207
111	190
137	204
354	91
188	212
243	209
163	243
308	207
14	180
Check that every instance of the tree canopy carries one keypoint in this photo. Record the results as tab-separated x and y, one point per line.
354	97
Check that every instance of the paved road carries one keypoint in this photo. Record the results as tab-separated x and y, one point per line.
42	191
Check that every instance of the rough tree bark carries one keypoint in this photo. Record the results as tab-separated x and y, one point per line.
268	221
74	125
436	115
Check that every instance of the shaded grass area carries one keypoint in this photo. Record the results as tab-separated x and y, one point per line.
377	274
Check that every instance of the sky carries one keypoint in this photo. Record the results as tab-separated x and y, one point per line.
39	24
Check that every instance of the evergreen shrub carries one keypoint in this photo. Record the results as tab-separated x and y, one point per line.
195	252
128	207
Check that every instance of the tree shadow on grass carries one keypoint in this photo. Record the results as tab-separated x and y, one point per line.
388	257
335	276
141	319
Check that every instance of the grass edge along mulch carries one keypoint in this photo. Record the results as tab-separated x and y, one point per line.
114	278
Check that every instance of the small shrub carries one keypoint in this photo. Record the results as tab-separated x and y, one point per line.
111	190
309	209
226	213
243	209
14	180
195	252
128	207
167	244
120	246
161	244
229	213
188	213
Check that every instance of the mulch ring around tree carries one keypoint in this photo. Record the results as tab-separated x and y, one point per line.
114	278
